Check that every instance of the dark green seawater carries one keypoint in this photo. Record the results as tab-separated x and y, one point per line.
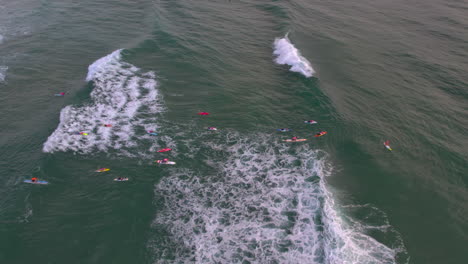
382	70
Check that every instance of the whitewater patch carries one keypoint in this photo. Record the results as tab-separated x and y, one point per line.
263	203
287	54
3	70
123	96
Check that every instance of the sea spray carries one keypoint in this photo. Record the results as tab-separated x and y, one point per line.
286	53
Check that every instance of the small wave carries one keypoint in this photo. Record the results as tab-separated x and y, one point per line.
3	70
264	204
286	53
123	96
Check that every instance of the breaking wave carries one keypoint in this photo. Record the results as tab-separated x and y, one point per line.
286	53
262	203
123	96
3	70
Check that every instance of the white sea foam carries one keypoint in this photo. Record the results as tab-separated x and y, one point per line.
3	70
286	53
263	203
123	96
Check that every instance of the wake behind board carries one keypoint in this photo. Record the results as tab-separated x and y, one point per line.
297	140
36	182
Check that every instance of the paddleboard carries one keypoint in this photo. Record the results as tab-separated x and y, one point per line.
121	179
165	163
102	170
36	182
297	140
153	134
212	128
283	129
164	150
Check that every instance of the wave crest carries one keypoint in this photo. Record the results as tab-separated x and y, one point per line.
286	53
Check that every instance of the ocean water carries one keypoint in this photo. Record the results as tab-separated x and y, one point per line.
366	71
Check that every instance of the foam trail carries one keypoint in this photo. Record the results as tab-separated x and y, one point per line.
264	204
3	70
286	53
123	96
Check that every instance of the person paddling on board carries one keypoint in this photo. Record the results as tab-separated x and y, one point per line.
387	144
294	138
321	133
60	94
164	161
33	179
107	125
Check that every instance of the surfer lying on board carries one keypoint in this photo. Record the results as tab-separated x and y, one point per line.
294	138
164	161
60	94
